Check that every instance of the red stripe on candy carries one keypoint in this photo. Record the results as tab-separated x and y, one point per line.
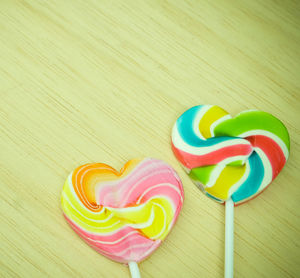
272	150
192	161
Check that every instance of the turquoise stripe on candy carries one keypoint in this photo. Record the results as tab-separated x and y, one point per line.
214	198
254	180
185	129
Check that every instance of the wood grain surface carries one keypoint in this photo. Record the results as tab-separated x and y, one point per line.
104	81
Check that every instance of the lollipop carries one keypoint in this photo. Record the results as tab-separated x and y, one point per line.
123	215
231	160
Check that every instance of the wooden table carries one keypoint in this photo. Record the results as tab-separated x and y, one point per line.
104	81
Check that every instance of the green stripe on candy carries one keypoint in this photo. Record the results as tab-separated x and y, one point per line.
202	174
251	120
236	163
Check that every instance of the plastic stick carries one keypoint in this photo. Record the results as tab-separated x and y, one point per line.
134	270
229	234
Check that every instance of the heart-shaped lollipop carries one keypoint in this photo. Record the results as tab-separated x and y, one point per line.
230	157
231	160
123	215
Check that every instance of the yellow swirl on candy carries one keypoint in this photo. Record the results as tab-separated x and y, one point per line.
123	215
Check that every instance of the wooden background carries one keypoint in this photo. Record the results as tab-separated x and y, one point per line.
104	81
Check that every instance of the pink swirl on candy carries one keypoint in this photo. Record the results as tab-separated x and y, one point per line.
123	215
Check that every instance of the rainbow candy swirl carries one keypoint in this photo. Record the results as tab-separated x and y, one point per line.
123	215
230	157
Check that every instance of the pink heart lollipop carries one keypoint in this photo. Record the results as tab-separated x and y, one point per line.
123	215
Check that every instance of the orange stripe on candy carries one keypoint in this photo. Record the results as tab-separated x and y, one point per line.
86	177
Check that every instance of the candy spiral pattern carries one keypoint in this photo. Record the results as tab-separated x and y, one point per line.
123	215
230	157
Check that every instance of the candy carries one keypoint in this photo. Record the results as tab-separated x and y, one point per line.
230	157
123	215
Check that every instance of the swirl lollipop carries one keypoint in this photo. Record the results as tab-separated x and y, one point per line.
231	160
123	215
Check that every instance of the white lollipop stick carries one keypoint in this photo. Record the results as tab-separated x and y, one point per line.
229	233
134	270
